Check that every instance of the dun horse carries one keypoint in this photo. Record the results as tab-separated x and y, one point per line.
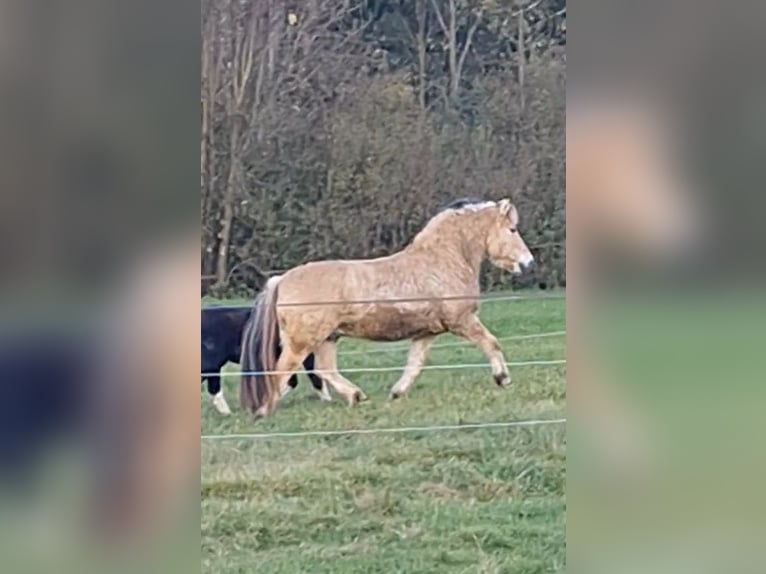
429	288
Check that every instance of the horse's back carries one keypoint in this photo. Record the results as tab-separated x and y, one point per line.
397	276
386	299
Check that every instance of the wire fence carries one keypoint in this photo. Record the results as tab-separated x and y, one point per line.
456	366
399	348
481	300
399	300
384	430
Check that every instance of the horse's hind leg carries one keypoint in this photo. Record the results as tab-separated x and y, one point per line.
292	382
472	330
327	364
288	363
418	352
320	388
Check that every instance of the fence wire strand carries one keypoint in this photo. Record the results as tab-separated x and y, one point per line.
478	298
392	369
388	430
405	429
393	349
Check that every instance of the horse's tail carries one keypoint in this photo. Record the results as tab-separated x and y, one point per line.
260	340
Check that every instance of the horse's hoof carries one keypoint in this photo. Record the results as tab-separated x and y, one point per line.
357	398
220	404
395	395
503	379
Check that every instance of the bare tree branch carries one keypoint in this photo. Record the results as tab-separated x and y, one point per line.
439	17
529	8
467	45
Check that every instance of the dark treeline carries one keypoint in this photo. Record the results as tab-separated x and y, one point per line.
336	128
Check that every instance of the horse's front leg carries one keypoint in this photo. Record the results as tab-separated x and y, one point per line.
215	390
474	331
320	388
216	393
418	353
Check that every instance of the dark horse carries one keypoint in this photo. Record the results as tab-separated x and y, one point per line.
222	329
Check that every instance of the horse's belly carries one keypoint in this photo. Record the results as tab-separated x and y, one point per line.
392	325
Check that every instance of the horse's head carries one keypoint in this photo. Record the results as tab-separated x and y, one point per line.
505	247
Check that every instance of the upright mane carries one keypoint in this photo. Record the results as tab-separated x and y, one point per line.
468	203
440	224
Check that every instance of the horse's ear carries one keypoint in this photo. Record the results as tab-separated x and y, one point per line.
508	210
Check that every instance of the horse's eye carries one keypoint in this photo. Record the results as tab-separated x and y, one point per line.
513	230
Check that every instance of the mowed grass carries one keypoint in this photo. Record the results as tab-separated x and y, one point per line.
484	500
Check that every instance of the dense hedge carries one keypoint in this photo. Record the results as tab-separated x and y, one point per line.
354	160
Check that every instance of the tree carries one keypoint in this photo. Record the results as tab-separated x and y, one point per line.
336	128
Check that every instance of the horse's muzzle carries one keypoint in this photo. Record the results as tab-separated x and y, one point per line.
527	265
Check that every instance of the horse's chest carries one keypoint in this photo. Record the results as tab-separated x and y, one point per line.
392	323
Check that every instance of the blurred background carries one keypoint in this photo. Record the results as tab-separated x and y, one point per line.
99	251
665	139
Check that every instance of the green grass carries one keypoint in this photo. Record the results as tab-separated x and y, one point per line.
485	500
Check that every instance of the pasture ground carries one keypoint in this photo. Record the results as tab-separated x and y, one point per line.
485	500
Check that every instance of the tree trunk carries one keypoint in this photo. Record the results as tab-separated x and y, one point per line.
203	171
205	122
421	14
227	216
522	60
207	166
453	72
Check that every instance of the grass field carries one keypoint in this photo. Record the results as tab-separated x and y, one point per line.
483	500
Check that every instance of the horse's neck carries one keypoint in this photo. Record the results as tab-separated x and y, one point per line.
470	244
455	247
